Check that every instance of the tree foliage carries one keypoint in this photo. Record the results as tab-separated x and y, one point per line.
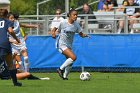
23	6
29	6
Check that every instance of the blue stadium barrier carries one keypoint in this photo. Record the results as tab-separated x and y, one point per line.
100	50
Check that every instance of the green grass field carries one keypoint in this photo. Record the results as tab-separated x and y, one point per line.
99	83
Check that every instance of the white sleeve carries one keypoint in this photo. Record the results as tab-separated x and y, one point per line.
16	25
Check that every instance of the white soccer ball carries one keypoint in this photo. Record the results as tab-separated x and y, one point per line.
84	76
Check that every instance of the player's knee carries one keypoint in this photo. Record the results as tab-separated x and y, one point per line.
27	74
73	58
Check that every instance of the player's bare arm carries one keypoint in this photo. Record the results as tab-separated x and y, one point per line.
12	33
13	41
83	35
53	32
29	26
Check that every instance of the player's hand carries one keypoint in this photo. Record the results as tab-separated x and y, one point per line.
54	35
25	38
17	43
85	35
88	36
18	40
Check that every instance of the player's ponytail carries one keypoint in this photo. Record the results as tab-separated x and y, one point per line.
10	14
16	15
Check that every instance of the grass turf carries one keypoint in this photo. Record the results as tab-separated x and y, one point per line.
99	83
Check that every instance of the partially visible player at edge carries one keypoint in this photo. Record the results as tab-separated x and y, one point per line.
5	48
67	29
16	48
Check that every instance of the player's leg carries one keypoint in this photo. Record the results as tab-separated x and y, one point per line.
26	61
12	70
19	62
69	61
23	75
4	72
70	58
66	72
16	55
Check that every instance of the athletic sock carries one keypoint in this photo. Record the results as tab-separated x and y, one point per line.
13	75
26	64
68	62
21	67
67	71
32	77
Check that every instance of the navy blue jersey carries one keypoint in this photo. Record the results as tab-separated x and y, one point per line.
4	41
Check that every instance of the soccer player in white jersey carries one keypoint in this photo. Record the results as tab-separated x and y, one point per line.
67	29
18	49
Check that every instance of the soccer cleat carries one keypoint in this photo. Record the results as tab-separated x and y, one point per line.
65	78
60	72
18	84
31	77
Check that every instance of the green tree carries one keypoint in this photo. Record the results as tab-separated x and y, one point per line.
23	6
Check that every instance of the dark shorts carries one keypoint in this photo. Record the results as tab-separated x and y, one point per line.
4	51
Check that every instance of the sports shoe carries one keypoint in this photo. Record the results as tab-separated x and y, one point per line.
18	84
60	72
65	78
31	77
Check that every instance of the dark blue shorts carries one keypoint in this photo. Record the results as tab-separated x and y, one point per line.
4	51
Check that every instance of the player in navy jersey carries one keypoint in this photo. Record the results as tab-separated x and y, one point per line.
67	29
5	48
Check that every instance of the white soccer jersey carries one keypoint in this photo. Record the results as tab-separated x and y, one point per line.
15	47
17	29
67	32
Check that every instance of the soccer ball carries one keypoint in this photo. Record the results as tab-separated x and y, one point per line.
84	76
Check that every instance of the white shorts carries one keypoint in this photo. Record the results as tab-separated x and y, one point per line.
61	45
17	49
62	48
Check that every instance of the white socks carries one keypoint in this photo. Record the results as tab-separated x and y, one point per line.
26	64
21	67
67	71
68	62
